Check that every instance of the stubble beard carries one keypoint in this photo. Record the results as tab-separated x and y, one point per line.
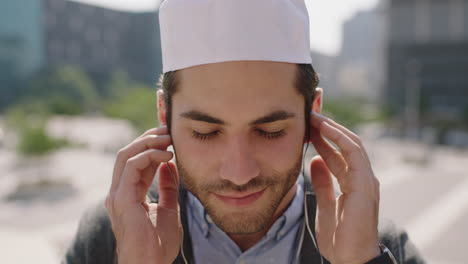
248	221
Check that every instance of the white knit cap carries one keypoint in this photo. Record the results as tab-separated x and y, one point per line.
196	32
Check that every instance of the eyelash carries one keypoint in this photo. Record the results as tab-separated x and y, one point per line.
267	135
202	136
271	135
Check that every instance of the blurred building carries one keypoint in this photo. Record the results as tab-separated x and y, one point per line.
325	66
101	40
21	43
427	56
360	68
39	34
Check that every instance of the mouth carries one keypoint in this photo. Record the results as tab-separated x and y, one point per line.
240	199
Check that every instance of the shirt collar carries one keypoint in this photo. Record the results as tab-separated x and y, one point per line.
279	229
199	214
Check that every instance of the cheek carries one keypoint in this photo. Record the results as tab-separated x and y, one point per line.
196	157
282	154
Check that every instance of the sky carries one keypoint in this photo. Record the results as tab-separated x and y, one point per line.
326	17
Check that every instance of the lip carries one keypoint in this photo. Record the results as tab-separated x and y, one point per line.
240	200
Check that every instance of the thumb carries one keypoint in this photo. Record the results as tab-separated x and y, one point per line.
322	183
325	221
168	186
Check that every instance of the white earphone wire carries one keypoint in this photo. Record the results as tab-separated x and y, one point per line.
309	229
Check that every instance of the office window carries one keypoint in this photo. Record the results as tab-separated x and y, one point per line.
51	20
87	10
57	5
110	36
402	22
92	35
76	23
465	16
110	15
99	54
440	20
73	50
56	48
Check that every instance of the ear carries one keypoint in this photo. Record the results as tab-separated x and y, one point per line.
318	100
161	108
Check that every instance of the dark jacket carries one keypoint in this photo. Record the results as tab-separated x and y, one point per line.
94	242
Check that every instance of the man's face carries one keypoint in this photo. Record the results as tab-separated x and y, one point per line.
238	130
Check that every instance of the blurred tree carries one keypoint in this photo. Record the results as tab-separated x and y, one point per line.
28	121
465	117
351	112
137	104
35	141
27	113
119	83
67	90
9	91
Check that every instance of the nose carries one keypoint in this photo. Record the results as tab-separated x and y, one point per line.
239	165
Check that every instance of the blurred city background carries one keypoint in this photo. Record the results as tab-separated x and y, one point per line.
77	83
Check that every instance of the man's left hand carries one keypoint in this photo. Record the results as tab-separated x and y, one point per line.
346	226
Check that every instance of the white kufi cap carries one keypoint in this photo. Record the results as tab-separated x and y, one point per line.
196	32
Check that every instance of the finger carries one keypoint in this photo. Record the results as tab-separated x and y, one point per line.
147	178
132	185
168	186
322	182
162	130
131	150
318	118
340	170
351	151
326	215
330	154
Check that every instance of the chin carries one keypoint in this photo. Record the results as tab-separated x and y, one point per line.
242	222
245	219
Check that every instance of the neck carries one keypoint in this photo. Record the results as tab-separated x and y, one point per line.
244	242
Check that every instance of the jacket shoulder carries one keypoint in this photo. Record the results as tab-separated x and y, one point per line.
94	241
396	239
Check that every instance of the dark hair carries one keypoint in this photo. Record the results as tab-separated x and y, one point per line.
306	81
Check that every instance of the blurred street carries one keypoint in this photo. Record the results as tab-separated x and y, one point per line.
430	201
423	189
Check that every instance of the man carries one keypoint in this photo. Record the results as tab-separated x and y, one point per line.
239	100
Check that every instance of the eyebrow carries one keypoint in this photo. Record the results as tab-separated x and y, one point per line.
199	116
269	118
273	117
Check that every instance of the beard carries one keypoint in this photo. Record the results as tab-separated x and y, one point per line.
246	221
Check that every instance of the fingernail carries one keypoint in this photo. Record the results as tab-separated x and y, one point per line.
318	115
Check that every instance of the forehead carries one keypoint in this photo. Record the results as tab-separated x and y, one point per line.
263	73
241	86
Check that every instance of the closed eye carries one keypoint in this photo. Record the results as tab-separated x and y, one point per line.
204	136
271	135
262	133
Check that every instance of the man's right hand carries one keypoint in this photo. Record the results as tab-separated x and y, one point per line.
145	232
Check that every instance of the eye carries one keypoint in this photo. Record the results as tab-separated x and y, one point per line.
271	135
204	136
